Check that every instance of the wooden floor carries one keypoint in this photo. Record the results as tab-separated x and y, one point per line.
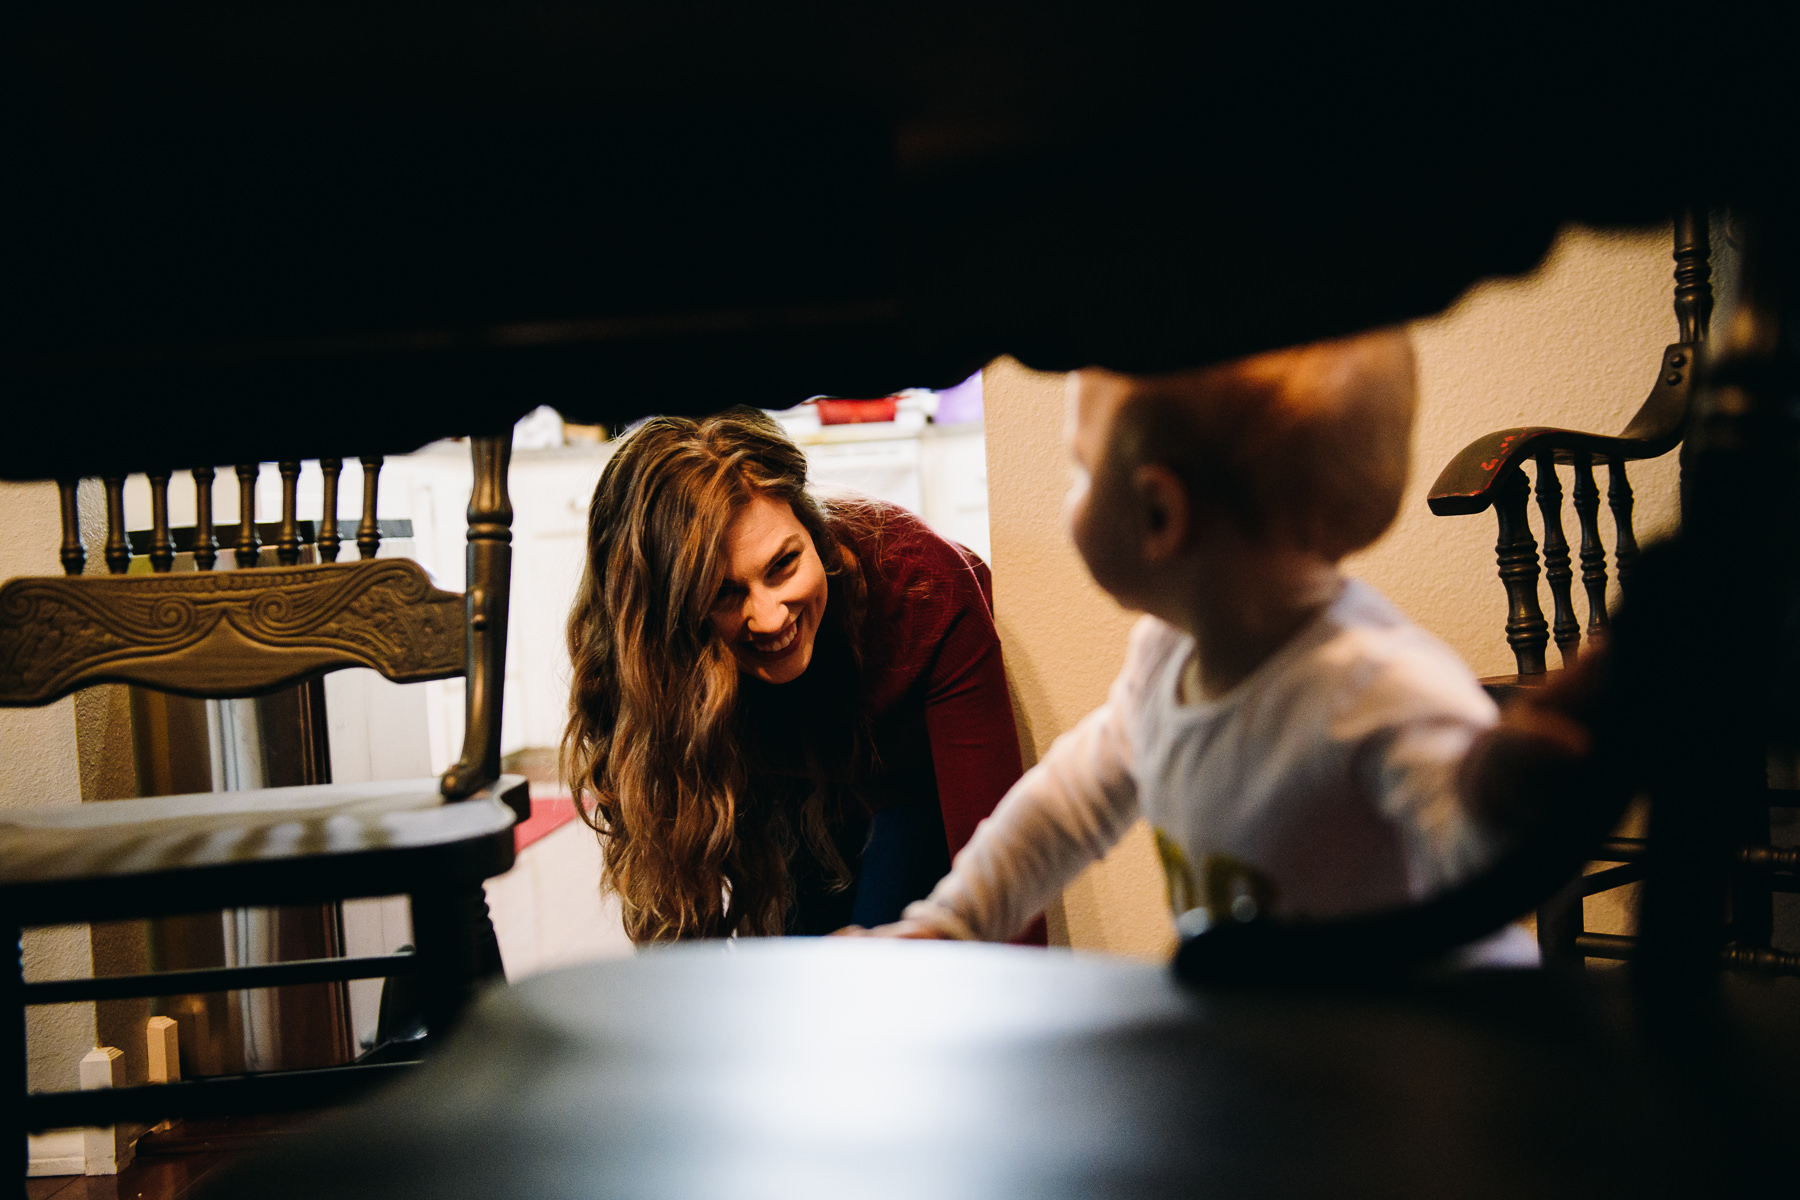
163	1177
176	1161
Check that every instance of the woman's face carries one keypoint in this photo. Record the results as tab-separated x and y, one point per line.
773	594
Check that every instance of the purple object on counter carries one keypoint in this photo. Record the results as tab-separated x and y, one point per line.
960	404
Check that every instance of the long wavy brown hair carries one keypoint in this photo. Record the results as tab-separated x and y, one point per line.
700	796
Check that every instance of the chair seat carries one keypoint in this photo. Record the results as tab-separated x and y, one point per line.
1504	689
175	853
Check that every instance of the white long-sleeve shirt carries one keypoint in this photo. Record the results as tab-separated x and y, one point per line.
1326	777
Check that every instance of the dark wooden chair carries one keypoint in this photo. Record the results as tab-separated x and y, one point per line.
249	631
1490	473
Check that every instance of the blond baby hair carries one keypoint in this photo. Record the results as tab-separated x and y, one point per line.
1309	445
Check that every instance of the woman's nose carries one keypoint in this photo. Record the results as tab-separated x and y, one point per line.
767	613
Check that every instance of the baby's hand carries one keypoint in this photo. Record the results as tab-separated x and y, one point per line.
906	927
1512	771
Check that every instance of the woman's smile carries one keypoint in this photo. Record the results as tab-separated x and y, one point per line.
777	645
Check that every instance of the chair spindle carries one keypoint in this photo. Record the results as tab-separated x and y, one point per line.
1693	274
488	570
162	546
206	545
1516	552
74	558
1593	554
1564	628
287	542
249	545
1618	498
328	540
368	531
118	547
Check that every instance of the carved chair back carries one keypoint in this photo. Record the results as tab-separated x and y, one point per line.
215	634
1490	472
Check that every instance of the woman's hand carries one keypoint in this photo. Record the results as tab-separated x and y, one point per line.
905	927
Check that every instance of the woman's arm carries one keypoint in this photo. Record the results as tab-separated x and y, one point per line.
1065	813
946	627
969	717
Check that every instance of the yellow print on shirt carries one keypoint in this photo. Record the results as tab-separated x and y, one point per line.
1183	888
1233	889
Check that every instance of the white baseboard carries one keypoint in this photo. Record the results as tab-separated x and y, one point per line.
58	1152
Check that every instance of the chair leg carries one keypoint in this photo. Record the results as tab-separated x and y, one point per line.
486	965
1560	922
458	952
17	1157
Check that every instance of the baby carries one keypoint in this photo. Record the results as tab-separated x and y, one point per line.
1290	736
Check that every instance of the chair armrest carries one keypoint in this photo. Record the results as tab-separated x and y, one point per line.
1469	481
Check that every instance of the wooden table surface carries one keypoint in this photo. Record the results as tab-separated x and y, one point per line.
850	1068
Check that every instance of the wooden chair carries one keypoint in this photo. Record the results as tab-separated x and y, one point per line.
232	633
1490	473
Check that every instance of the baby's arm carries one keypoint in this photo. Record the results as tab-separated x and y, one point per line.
1431	723
1443	843
1063	814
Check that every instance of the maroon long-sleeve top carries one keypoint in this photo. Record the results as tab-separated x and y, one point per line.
933	676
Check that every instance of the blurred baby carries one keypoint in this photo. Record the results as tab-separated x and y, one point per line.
1289	735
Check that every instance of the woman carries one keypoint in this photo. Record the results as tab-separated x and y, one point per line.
787	715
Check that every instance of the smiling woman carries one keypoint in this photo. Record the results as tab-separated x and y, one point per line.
773	593
787	714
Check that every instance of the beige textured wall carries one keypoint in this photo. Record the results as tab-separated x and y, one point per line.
1575	344
75	750
40	765
1064	639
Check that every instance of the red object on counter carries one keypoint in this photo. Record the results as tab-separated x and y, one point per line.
548	813
856	412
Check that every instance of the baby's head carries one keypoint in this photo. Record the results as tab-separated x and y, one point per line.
1304	448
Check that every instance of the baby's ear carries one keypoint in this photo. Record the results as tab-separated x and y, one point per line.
1163	511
